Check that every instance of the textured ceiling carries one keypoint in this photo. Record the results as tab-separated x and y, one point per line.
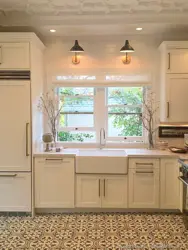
55	7
94	17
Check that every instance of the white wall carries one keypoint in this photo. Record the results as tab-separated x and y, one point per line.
102	57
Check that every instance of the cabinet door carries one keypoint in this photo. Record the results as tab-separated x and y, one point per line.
177	61
88	191
169	184
15	126
54	183
114	192
144	183
14	56
177	89
15	194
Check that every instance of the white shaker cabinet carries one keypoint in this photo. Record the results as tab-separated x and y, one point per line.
174	81
143	183
177	61
54	182
175	98
15	192
15	126
169	184
88	189
101	191
14	56
114	192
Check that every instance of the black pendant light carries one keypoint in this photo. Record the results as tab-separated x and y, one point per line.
126	49
76	49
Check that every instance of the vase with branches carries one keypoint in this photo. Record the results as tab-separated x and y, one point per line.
150	107
49	105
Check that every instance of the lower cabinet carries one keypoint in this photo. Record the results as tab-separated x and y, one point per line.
169	184
98	191
15	192
54	182
144	183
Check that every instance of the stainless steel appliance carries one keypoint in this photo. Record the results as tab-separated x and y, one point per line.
173	131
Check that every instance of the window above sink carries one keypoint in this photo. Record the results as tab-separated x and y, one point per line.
88	109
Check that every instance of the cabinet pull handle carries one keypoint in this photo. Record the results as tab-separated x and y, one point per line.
54	159
27	140
1	59
144	164
168	109
104	187
8	175
146	172
99	188
169	61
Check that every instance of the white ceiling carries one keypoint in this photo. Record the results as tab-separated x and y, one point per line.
94	17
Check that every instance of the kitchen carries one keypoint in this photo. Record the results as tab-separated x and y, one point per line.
99	169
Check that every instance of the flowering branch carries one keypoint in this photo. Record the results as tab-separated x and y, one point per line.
150	109
49	105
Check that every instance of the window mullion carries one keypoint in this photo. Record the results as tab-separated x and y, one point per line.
99	111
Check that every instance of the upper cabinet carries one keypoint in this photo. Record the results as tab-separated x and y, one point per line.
177	61
14	56
174	82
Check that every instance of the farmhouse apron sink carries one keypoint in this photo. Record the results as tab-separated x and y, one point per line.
98	161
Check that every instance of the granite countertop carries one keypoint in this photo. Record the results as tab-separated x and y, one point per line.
129	152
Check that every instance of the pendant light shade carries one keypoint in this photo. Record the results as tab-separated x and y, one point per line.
76	48
127	48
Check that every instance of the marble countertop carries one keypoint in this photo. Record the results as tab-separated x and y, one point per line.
64	152
129	152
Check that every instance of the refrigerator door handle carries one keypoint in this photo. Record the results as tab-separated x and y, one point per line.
27	139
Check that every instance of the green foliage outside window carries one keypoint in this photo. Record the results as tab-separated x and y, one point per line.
127	125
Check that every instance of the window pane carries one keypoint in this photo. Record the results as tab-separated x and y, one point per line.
125	95
76	120
124	110
77	104
76	91
124	125
77	136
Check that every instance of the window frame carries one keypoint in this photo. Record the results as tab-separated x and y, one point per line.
78	128
122	139
101	118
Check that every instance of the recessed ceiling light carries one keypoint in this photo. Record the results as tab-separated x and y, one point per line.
52	30
138	28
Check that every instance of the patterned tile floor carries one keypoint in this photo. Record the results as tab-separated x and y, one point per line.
104	231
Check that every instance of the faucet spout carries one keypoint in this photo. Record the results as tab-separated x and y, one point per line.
102	138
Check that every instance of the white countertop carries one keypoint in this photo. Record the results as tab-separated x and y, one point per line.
128	152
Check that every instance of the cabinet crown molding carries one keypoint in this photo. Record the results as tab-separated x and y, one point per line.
173	45
30	37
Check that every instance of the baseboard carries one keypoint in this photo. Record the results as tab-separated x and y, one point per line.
103	210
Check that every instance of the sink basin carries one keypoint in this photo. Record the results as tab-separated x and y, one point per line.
96	161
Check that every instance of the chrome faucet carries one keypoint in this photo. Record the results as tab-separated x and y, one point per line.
102	140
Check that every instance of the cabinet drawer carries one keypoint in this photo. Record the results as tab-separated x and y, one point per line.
15	192
143	163
55	161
